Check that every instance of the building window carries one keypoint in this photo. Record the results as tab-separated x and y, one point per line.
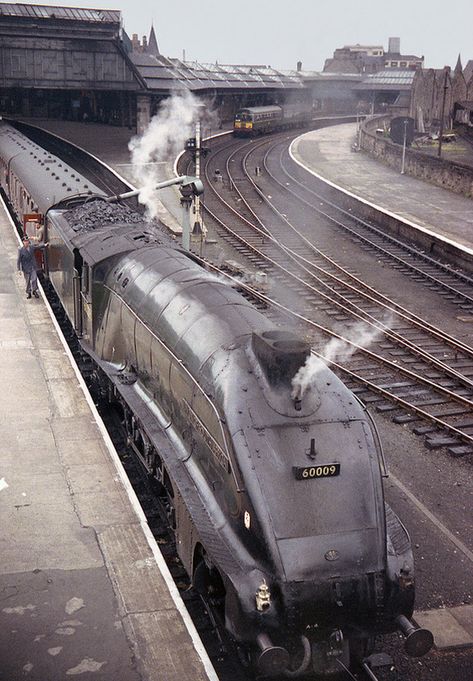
18	65
49	64
79	63
109	67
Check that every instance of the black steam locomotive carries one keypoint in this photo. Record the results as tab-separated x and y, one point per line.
275	497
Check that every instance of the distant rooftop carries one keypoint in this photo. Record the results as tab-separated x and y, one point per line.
390	79
62	13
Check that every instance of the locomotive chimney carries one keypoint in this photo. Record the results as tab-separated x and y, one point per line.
280	354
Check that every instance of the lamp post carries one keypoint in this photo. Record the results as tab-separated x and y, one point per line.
445	87
404	147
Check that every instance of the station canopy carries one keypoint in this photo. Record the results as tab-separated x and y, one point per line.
389	79
162	73
62	13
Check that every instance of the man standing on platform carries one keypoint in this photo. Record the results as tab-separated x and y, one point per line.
26	263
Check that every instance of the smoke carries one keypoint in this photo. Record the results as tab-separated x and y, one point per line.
161	142
336	350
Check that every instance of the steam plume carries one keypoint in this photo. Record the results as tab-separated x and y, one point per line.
360	334
162	141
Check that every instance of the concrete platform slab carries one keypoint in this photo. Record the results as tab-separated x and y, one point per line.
46	536
464	615
70	429
127	553
106	508
54	364
82	452
28	486
92	478
448	633
52	620
171	658
66	405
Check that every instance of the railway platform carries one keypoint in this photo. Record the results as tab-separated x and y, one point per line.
84	590
440	215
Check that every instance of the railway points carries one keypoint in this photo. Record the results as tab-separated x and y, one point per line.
84	589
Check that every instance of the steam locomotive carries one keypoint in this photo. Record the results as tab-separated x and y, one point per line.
259	120
275	497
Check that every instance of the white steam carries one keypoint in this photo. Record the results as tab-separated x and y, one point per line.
161	142
360	335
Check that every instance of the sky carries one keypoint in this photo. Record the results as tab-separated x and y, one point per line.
280	33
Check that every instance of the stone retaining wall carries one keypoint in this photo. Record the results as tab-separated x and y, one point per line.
453	176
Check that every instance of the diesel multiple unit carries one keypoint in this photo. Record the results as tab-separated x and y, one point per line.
259	120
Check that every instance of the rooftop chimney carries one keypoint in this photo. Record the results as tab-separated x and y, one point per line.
394	46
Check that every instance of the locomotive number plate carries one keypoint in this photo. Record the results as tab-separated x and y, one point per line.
325	470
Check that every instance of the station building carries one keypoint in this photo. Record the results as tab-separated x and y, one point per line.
444	90
79	64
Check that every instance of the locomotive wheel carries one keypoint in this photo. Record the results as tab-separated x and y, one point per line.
209	584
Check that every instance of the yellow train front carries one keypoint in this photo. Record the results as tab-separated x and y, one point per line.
257	120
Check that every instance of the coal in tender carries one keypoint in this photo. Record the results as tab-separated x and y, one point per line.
95	214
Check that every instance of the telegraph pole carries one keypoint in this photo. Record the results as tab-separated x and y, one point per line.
445	87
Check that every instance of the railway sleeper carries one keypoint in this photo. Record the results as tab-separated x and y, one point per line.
460	450
437	442
424	430
405	418
385	407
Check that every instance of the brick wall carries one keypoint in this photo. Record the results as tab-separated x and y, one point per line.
453	176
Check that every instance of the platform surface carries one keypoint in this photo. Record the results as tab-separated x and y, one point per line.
328	153
83	587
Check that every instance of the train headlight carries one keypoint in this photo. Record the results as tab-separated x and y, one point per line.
263	597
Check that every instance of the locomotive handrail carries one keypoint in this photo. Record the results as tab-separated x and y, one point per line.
384	466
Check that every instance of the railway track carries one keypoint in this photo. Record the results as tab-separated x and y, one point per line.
411	367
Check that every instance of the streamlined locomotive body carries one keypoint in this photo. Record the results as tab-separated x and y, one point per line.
275	496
